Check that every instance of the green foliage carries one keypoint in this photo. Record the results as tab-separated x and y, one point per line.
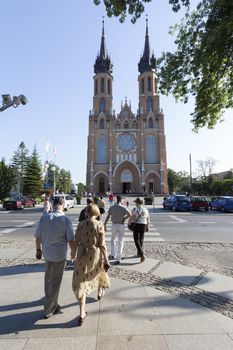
173	180
19	163
202	63
81	187
7	179
135	8
63	182
33	181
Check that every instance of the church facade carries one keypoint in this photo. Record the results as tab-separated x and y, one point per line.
126	151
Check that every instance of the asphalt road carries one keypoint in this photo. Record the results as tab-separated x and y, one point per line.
165	225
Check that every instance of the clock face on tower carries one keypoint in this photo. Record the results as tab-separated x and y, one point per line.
126	142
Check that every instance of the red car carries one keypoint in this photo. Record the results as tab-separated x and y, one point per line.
199	203
18	202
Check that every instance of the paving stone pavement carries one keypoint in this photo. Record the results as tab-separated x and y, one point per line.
176	268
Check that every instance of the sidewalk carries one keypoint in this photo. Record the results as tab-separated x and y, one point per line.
155	305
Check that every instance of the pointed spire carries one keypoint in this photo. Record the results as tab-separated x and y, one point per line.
146	53
103	51
147	62
103	63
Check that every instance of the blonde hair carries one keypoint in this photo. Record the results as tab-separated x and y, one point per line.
92	210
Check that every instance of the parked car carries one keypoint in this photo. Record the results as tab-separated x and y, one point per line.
223	203
18	202
69	200
177	202
199	202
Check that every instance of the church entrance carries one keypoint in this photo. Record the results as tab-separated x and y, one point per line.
101	186
126	179
151	187
126	187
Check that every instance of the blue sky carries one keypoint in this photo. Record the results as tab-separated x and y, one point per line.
48	49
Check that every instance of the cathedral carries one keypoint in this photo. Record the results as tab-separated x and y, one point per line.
126	151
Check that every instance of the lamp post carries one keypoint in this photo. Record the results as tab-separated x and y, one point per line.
7	101
53	168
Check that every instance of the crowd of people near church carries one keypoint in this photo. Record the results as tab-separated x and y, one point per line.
88	249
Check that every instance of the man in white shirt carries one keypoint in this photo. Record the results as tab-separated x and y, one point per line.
119	213
53	233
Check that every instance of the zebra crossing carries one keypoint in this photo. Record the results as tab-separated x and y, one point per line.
151	236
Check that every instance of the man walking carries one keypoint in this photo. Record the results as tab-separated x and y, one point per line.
119	213
82	215
53	233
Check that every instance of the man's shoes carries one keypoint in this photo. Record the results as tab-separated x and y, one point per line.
111	257
142	258
55	311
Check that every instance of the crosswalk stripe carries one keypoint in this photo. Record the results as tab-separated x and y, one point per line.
8	230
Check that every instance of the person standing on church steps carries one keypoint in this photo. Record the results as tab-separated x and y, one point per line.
119	213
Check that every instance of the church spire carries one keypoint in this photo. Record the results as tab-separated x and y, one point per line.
103	63
103	50
147	62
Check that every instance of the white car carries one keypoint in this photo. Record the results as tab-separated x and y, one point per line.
69	200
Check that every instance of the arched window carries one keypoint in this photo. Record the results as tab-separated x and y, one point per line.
101	150
101	123
102	85
96	87
142	86
109	87
149	104
150	149
150	123
149	83
102	105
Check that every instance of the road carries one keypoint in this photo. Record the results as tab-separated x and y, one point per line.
165	225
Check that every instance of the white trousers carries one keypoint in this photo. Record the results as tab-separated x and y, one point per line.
117	240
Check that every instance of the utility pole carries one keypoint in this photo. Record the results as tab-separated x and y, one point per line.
190	171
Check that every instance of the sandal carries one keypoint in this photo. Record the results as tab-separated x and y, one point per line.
82	319
101	293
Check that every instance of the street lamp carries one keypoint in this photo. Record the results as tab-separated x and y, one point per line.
53	168
7	101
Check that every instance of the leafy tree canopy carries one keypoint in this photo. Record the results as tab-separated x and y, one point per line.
202	64
135	8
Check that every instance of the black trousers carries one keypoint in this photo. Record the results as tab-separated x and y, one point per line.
138	235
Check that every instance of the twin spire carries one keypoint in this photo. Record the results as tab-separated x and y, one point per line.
147	62
103	62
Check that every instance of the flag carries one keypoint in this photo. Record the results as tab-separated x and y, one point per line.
47	146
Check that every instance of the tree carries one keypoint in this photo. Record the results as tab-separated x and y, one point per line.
7	179
64	181
173	180
135	8
81	188
202	64
33	180
19	163
206	167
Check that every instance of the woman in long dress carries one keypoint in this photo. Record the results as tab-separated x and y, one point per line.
91	259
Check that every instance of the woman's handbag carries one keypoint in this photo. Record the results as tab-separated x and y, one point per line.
133	223
131	226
